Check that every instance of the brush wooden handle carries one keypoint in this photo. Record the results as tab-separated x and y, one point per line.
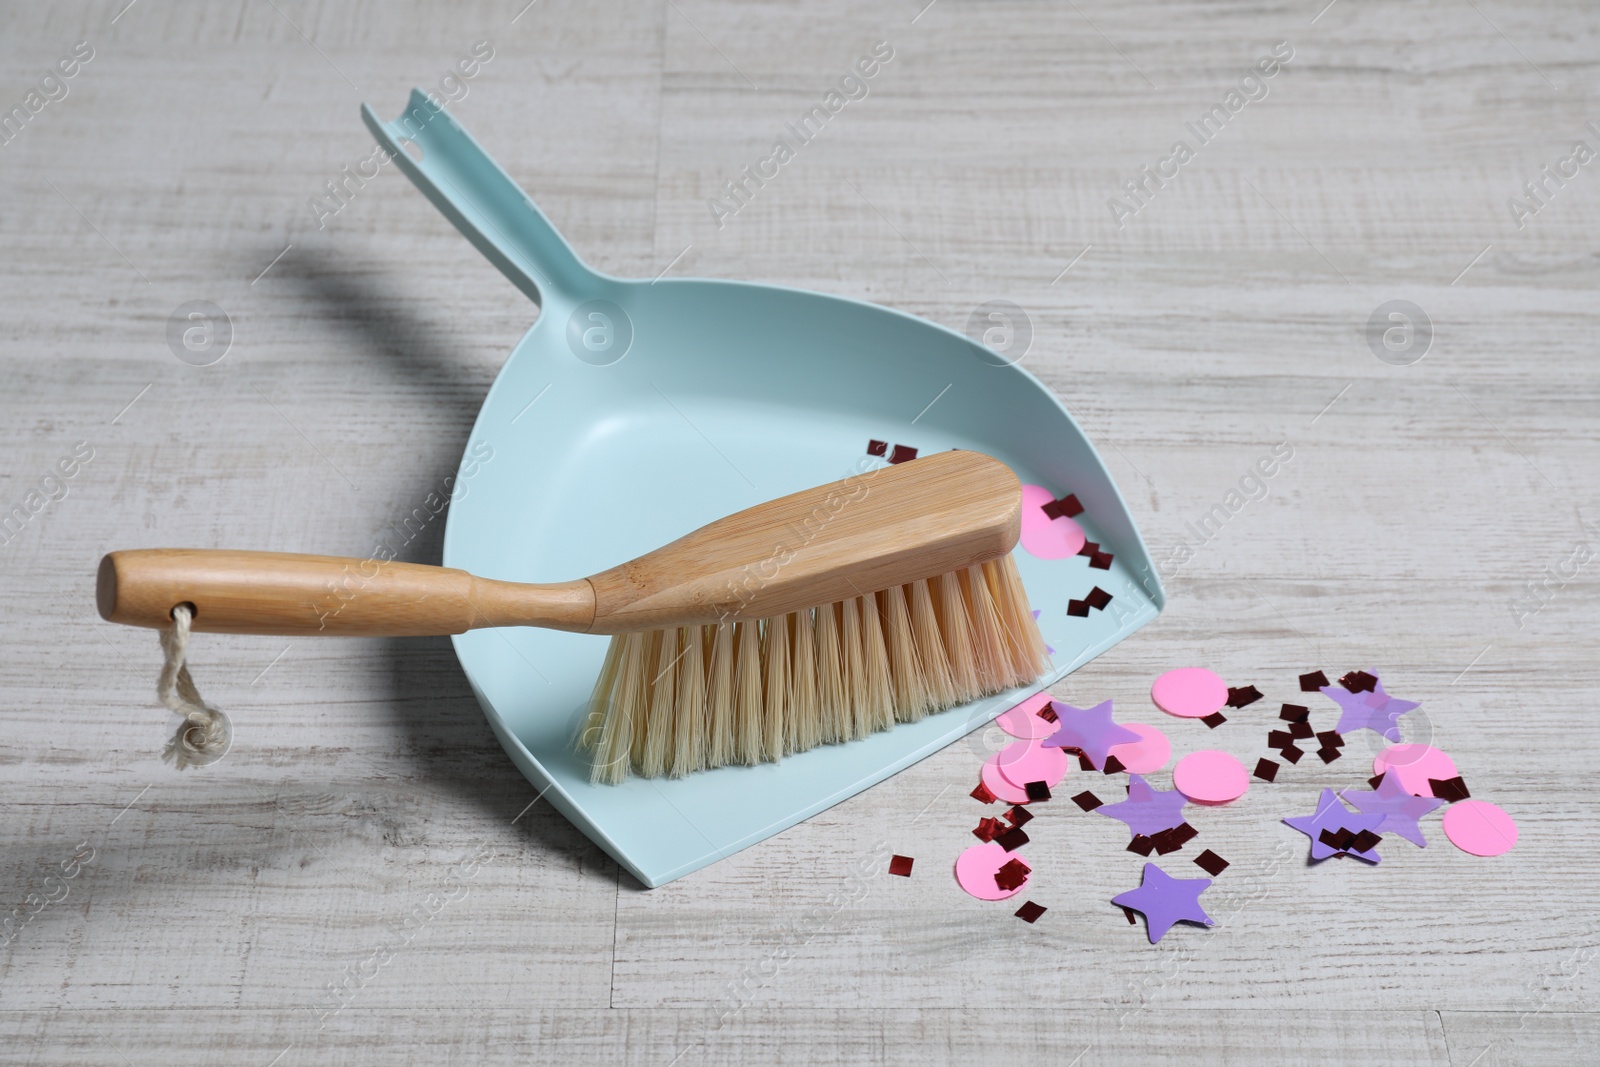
889	527
299	595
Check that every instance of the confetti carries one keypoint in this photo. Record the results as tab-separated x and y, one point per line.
1012	839
1013	876
1266	770
1132	921
1024	720
998	785
1451	789
1022	762
978	869
1331	739
1090	731
1214	720
1030	912
989	829
877	448
902	453
1240	698
1371	709
1279	738
1047	532
1141	844
1113	765
1148	810
1078	609
1174	839
1414	765
1149	753
1313	682
901	865
1098	598
1302	730
1100	561
1480	828
1037	792
1329	754
1048	714
982	794
1087	801
1292	753
1332	817
1017	815
1189	692
1359	681
1294	713
1165	901
1069	506
1211	863
1210	776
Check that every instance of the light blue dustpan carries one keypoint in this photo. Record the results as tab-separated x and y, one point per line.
633	412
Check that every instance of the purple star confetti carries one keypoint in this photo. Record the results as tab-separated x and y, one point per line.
1090	731
1400	810
1333	817
1165	900
1148	810
1375	710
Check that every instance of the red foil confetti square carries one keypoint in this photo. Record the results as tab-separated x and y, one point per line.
1243	697
1012	875
1030	912
1070	506
1294	713
989	829
1012	839
1101	561
1051	509
1329	754
1098	598
1087	801
1141	844
1375	781
1113	765
1266	770
1078	609
1132	919
1037	791
1331	739
901	865
1018	815
1214	720
982	794
1359	682
1451	789
1085	763
1279	738
1292	753
1048	714
1211	863
877	448
1313	682
902	453
1302	730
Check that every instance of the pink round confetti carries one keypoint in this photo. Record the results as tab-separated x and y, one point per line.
975	869
999	784
1043	536
1414	765
1029	761
1023	720
1146	755
1478	827
1190	692
1210	777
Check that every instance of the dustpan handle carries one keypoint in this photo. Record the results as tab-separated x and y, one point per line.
490	209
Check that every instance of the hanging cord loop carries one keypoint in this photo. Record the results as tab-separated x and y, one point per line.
204	734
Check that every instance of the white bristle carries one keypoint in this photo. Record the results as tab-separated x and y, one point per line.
695	697
747	703
663	705
719	698
877	695
830	676
775	657
689	718
850	644
804	727
930	647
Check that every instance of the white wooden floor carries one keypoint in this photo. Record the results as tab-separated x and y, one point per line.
210	912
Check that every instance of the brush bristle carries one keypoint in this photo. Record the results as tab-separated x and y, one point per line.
672	702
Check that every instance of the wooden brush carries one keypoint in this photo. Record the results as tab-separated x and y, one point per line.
819	617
